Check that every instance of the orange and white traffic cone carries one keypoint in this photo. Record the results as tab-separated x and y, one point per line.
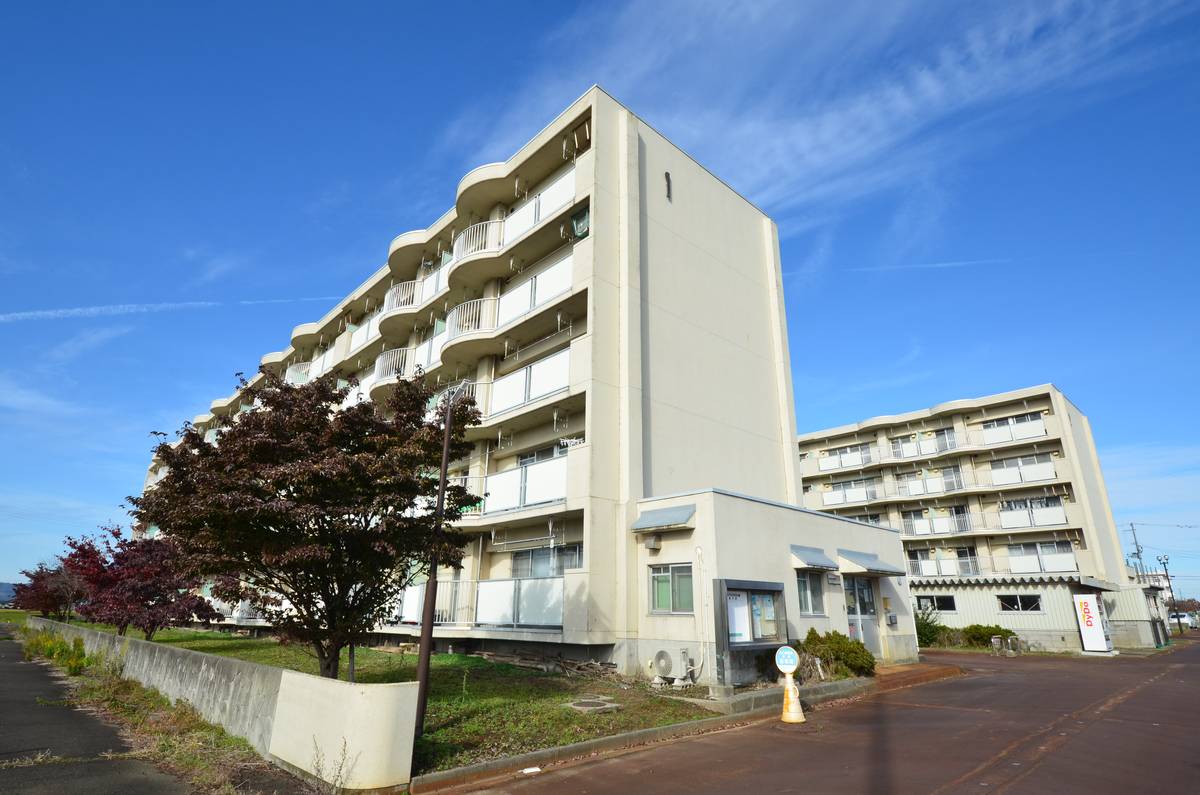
793	712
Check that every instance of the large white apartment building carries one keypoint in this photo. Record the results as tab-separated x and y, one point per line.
618	311
1003	510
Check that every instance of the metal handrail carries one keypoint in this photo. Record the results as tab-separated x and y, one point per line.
483	236
392	363
469	316
400	295
297	373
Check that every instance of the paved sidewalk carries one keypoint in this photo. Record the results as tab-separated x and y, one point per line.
1031	724
34	720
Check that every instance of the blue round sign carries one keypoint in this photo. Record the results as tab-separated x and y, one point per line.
786	659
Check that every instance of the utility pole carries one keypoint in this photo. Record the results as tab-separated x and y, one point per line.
1174	601
427	609
1138	553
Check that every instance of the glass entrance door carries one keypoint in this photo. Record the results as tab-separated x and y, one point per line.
861	614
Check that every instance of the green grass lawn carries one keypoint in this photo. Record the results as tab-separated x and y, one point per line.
478	710
12	616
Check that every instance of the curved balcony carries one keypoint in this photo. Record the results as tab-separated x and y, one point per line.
403	301
485	236
298	373
305	334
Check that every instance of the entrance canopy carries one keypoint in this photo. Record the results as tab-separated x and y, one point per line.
811	558
853	562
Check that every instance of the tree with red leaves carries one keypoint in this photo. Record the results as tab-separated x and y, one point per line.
317	517
139	583
41	592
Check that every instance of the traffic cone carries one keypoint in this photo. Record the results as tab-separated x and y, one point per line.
793	712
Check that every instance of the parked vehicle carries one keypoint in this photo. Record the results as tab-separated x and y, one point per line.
1187	620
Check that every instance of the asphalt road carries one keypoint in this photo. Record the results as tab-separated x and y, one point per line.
34	720
1016	725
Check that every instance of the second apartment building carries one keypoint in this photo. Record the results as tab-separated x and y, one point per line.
1002	508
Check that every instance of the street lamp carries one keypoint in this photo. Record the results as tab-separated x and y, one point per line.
1174	602
427	609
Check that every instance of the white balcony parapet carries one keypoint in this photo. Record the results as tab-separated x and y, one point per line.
366	331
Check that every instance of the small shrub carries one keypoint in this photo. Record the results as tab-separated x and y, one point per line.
980	635
71	656
840	655
929	627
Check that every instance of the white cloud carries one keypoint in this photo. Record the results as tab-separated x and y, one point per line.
806	105
106	310
83	342
961	263
19	398
112	310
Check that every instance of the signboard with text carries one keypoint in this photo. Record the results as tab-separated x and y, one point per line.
1093	624
738	606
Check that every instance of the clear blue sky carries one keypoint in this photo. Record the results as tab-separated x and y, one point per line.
933	168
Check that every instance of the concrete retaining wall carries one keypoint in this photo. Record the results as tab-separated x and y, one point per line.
285	715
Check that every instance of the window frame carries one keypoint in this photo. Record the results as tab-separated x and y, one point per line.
558	562
671	571
933	601
1021	599
810	583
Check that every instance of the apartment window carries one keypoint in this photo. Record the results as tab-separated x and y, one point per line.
944	439
1018	419
852	448
942	604
544	454
671	588
546	561
1034	502
1020	603
869	518
966	560
1054	547
867	485
812	599
952	478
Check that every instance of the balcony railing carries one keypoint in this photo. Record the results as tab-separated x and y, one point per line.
1010	432
942	525
853	458
392	363
850	495
984	565
944	567
1024	473
925	447
297	373
535	602
475	315
1053	562
483	236
1033	517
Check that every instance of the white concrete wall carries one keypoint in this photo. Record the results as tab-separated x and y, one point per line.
299	721
741	538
